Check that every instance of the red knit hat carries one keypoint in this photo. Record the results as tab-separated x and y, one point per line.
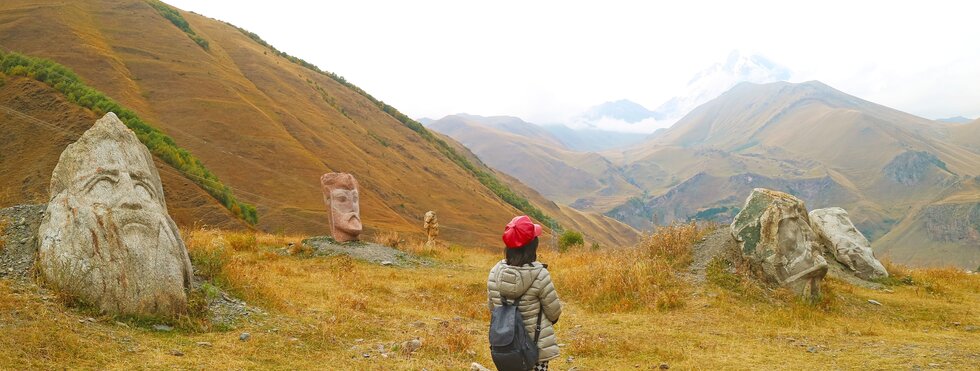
520	231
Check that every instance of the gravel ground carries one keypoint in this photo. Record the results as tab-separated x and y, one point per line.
18	239
366	251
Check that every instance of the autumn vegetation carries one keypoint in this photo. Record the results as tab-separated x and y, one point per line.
160	145
625	308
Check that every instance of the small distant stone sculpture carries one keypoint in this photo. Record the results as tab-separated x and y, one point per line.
431	226
847	244
773	231
340	195
106	237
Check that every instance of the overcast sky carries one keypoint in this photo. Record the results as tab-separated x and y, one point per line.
545	61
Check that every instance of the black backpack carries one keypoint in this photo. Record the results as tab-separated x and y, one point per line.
510	347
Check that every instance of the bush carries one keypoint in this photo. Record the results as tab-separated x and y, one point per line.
568	239
172	15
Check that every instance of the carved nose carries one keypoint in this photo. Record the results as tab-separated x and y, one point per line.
129	199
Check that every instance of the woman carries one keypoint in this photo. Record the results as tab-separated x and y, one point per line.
520	275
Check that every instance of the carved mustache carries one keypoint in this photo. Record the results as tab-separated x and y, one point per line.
124	217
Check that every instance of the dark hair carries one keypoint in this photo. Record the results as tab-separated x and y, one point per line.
526	254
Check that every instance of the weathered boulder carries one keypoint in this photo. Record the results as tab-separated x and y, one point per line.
341	197
106	237
847	244
774	234
431	226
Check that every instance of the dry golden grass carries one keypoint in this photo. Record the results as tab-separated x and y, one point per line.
633	278
328	312
388	238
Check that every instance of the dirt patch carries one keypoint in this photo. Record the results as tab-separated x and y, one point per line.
715	244
366	251
18	239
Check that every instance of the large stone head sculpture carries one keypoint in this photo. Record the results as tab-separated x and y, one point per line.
340	195
774	232
106	236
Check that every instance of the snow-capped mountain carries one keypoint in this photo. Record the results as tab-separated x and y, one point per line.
719	78
625	116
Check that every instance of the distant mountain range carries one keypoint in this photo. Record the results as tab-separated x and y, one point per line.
911	184
955	120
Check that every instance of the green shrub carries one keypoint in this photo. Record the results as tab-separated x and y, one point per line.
568	239
162	146
178	20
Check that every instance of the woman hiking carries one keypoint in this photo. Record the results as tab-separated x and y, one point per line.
521	279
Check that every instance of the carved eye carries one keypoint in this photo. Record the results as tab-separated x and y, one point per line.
143	191
342	198
103	187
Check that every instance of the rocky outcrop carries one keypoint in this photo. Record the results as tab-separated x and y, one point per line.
846	243
774	235
912	167
106	237
953	223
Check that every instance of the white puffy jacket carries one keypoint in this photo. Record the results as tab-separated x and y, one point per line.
532	283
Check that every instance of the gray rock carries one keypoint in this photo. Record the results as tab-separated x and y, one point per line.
774	234
664	366
163	328
387	262
875	302
106	237
244	336
835	229
477	367
177	352
204	344
412	345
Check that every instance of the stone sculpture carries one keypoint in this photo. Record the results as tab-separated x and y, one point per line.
847	244
773	231
340	195
106	237
431	225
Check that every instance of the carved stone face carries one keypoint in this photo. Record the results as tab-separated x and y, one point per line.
123	197
106	235
345	210
343	200
792	241
776	240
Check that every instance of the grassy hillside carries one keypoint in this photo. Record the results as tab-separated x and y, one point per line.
529	154
634	309
596	227
159	144
263	122
39	122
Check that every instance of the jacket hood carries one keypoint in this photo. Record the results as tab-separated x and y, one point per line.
513	281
